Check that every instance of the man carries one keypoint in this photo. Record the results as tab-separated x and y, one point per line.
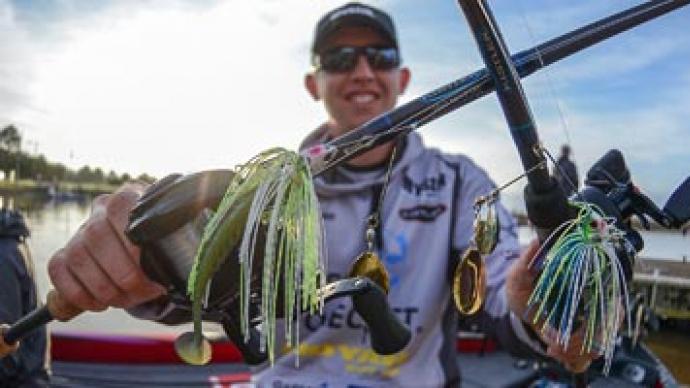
25	367
425	223
565	171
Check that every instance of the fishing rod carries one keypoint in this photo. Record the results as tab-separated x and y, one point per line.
449	97
412	115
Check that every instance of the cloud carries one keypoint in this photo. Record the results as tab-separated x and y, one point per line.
623	93
169	88
15	67
180	86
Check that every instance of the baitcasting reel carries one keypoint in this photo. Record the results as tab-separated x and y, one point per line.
609	186
168	223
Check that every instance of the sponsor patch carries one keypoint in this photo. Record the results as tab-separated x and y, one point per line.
429	186
422	213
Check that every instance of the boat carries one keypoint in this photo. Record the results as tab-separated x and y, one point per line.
116	360
665	287
109	360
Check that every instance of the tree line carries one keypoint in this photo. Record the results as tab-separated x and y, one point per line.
36	167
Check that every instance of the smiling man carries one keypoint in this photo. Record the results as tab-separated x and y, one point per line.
357	71
424	222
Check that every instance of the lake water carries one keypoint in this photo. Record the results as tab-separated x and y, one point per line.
52	223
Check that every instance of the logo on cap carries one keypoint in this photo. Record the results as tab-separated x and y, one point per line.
353	10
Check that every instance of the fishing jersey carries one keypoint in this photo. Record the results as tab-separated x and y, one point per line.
425	224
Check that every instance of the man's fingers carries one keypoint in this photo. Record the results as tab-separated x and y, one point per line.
6	349
69	287
109	252
99	267
113	252
572	357
114	210
520	281
86	270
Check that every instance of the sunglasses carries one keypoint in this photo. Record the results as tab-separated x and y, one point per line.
344	59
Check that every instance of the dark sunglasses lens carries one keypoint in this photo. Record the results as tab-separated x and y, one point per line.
339	60
344	59
382	58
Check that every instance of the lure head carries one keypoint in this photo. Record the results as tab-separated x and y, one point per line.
486	225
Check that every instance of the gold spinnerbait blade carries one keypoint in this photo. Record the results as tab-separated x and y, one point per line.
486	226
369	265
469	282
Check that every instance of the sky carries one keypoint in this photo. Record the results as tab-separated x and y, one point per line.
153	86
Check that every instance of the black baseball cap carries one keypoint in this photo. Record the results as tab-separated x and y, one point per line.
354	14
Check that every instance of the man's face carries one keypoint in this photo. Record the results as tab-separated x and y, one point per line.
354	97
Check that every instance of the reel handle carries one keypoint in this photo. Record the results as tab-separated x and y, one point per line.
388	334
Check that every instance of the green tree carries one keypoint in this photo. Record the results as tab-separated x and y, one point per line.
146	178
112	178
98	175
11	141
10	138
84	174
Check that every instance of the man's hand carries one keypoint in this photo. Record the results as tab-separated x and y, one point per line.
519	286
99	266
6	349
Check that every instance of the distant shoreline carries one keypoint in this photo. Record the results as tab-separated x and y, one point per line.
522	220
49	189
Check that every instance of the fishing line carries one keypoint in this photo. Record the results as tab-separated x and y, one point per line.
549	80
368	263
469	277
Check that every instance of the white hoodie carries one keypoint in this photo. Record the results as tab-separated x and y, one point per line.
427	217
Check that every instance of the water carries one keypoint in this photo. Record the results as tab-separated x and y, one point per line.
52	223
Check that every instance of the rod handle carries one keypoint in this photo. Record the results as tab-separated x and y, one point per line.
60	309
56	308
